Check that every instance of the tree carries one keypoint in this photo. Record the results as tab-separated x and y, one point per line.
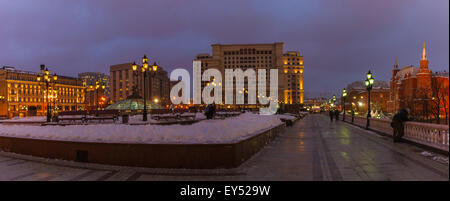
440	99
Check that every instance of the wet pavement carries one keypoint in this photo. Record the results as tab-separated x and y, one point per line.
313	149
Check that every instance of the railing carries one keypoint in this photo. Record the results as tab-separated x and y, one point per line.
432	135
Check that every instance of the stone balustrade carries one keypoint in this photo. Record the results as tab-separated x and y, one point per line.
432	135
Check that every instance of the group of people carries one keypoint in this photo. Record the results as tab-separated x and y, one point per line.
334	113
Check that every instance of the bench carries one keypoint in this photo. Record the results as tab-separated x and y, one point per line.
227	113
101	115
168	114
72	116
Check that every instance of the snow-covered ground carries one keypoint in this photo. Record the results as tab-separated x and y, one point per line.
436	157
229	130
26	119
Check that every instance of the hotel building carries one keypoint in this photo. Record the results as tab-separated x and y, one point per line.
260	56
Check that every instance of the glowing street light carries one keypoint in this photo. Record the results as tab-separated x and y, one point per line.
369	83
344	95
145	68
47	79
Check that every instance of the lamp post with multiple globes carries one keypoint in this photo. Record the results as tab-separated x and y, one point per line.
46	78
144	71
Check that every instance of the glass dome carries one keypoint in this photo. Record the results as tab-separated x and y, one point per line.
132	104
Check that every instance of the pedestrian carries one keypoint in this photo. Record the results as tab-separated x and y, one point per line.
398	124
208	112
353	115
336	113
331	115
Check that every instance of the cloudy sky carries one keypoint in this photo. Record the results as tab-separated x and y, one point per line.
339	39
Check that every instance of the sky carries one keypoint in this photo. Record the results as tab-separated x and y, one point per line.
339	39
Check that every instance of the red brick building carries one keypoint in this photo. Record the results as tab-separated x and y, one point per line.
425	93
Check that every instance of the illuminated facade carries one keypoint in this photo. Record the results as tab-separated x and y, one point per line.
122	82
22	95
260	56
94	78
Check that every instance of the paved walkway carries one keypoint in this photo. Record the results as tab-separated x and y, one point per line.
313	149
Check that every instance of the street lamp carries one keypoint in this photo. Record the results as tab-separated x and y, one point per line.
144	71
97	87
46	78
344	95
369	83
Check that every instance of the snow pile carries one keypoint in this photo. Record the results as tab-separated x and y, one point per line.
229	130
436	157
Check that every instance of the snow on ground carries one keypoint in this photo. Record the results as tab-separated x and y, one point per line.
436	157
229	130
26	119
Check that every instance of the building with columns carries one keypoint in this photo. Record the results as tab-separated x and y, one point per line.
425	93
22	95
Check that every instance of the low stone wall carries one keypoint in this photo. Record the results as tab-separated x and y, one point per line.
190	156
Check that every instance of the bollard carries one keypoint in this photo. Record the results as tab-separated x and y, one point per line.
125	118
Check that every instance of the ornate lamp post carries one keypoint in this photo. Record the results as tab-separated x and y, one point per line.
344	95
97	87
144	71
46	78
369	83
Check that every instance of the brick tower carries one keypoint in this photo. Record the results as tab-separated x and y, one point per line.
424	74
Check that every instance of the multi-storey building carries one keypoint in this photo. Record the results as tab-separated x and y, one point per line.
260	56
22	95
425	93
94	78
123	79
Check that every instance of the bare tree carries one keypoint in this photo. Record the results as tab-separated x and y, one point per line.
440	99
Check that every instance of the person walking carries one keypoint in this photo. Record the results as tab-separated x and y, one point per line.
336	114
398	124
331	115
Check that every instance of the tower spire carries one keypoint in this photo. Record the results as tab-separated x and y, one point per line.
424	52
395	65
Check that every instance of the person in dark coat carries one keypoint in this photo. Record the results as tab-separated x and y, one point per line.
210	111
331	115
398	124
336	113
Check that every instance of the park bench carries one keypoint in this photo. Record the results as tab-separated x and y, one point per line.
72	116
227	113
168	114
102	115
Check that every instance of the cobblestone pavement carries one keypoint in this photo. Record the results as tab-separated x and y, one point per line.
313	149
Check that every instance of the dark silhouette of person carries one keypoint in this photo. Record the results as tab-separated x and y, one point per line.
398	124
336	113
331	113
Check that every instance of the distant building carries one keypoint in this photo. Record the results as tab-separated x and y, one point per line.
22	95
93	78
260	56
357	97
425	93
123	80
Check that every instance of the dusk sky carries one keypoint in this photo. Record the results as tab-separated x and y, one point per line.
339	39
